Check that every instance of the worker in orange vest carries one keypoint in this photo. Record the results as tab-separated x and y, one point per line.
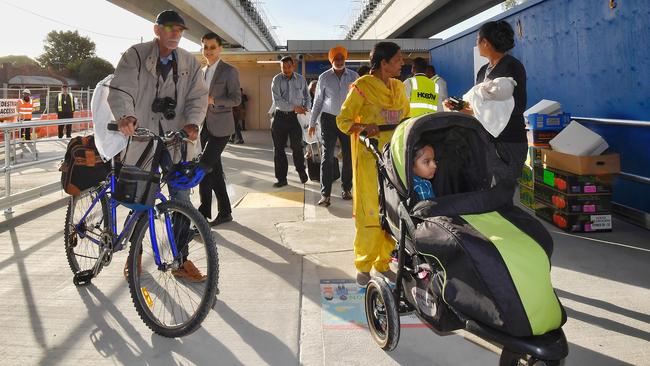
25	108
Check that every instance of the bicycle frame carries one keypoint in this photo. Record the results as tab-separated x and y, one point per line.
118	240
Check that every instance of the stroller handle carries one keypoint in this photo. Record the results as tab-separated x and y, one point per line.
371	144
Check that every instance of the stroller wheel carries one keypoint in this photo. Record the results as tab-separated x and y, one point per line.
509	358
381	314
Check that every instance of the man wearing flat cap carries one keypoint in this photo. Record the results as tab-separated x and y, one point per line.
332	89
159	70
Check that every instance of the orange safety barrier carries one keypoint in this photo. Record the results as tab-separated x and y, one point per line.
44	131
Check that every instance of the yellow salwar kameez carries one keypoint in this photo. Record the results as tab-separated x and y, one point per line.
370	101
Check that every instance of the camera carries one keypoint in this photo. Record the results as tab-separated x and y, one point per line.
457	103
166	106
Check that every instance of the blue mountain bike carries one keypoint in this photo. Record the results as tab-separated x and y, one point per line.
164	238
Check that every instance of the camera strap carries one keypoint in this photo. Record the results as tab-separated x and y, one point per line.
174	76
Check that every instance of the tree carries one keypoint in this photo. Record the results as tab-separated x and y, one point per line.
18	60
66	50
508	4
93	70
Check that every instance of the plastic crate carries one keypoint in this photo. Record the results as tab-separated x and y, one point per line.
574	223
548	122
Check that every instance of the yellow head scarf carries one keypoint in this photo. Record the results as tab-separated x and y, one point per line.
375	91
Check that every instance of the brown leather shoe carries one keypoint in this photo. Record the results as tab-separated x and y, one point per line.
189	272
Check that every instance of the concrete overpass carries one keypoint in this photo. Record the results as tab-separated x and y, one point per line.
239	22
379	19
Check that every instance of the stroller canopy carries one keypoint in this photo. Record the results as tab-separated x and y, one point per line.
463	148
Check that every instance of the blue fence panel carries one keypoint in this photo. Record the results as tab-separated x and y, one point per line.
593	59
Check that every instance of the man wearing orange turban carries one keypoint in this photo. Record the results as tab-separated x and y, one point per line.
338	50
332	89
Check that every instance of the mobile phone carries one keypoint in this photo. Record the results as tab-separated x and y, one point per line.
457	103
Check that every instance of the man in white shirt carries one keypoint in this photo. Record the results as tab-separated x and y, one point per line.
332	89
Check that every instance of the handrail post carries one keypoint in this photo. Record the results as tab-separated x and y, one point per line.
9	210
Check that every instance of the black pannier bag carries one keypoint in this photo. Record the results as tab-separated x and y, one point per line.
136	187
82	166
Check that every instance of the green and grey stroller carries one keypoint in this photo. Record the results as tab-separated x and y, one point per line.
468	259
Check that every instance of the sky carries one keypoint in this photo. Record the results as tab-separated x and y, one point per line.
114	29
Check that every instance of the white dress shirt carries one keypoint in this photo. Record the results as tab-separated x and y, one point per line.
209	72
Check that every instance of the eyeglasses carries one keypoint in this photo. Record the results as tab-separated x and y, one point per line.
170	28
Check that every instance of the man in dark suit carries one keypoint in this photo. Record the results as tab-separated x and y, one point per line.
224	94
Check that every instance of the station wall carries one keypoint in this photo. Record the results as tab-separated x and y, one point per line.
592	58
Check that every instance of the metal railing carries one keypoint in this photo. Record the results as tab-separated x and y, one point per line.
10	163
47	98
620	122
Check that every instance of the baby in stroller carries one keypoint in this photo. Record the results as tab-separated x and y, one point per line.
467	258
424	169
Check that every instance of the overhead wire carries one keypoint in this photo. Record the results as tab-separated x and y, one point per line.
66	24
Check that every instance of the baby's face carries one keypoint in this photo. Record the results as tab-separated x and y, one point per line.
425	166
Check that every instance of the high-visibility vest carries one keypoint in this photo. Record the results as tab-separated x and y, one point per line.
60	102
424	98
25	109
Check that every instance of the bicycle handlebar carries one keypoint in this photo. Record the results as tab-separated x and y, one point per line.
145	132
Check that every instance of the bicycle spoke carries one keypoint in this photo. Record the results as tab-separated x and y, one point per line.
174	301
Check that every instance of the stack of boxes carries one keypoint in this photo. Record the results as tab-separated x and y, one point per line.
574	192
541	129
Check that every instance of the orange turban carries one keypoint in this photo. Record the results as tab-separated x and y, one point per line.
335	51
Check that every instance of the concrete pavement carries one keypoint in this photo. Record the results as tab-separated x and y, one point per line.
270	310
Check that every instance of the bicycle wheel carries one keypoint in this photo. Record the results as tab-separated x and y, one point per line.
82	237
170	304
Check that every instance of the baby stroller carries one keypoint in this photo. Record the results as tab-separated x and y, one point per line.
468	259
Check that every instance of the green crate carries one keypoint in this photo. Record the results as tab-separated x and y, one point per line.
527	177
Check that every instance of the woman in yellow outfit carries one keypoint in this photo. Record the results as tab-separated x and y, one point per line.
374	100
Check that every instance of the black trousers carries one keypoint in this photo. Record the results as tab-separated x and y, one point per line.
68	128
513	156
237	136
330	133
216	179
26	133
286	125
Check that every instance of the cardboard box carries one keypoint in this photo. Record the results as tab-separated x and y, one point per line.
534	156
527	178
574	223
544	106
540	137
573	183
582	165
552	122
527	197
573	203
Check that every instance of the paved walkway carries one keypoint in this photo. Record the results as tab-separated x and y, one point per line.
272	260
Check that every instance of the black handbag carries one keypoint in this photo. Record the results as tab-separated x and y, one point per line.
135	187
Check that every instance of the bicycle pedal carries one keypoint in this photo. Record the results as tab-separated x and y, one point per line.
83	278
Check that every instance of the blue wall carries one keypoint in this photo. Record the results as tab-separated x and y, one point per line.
592	59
